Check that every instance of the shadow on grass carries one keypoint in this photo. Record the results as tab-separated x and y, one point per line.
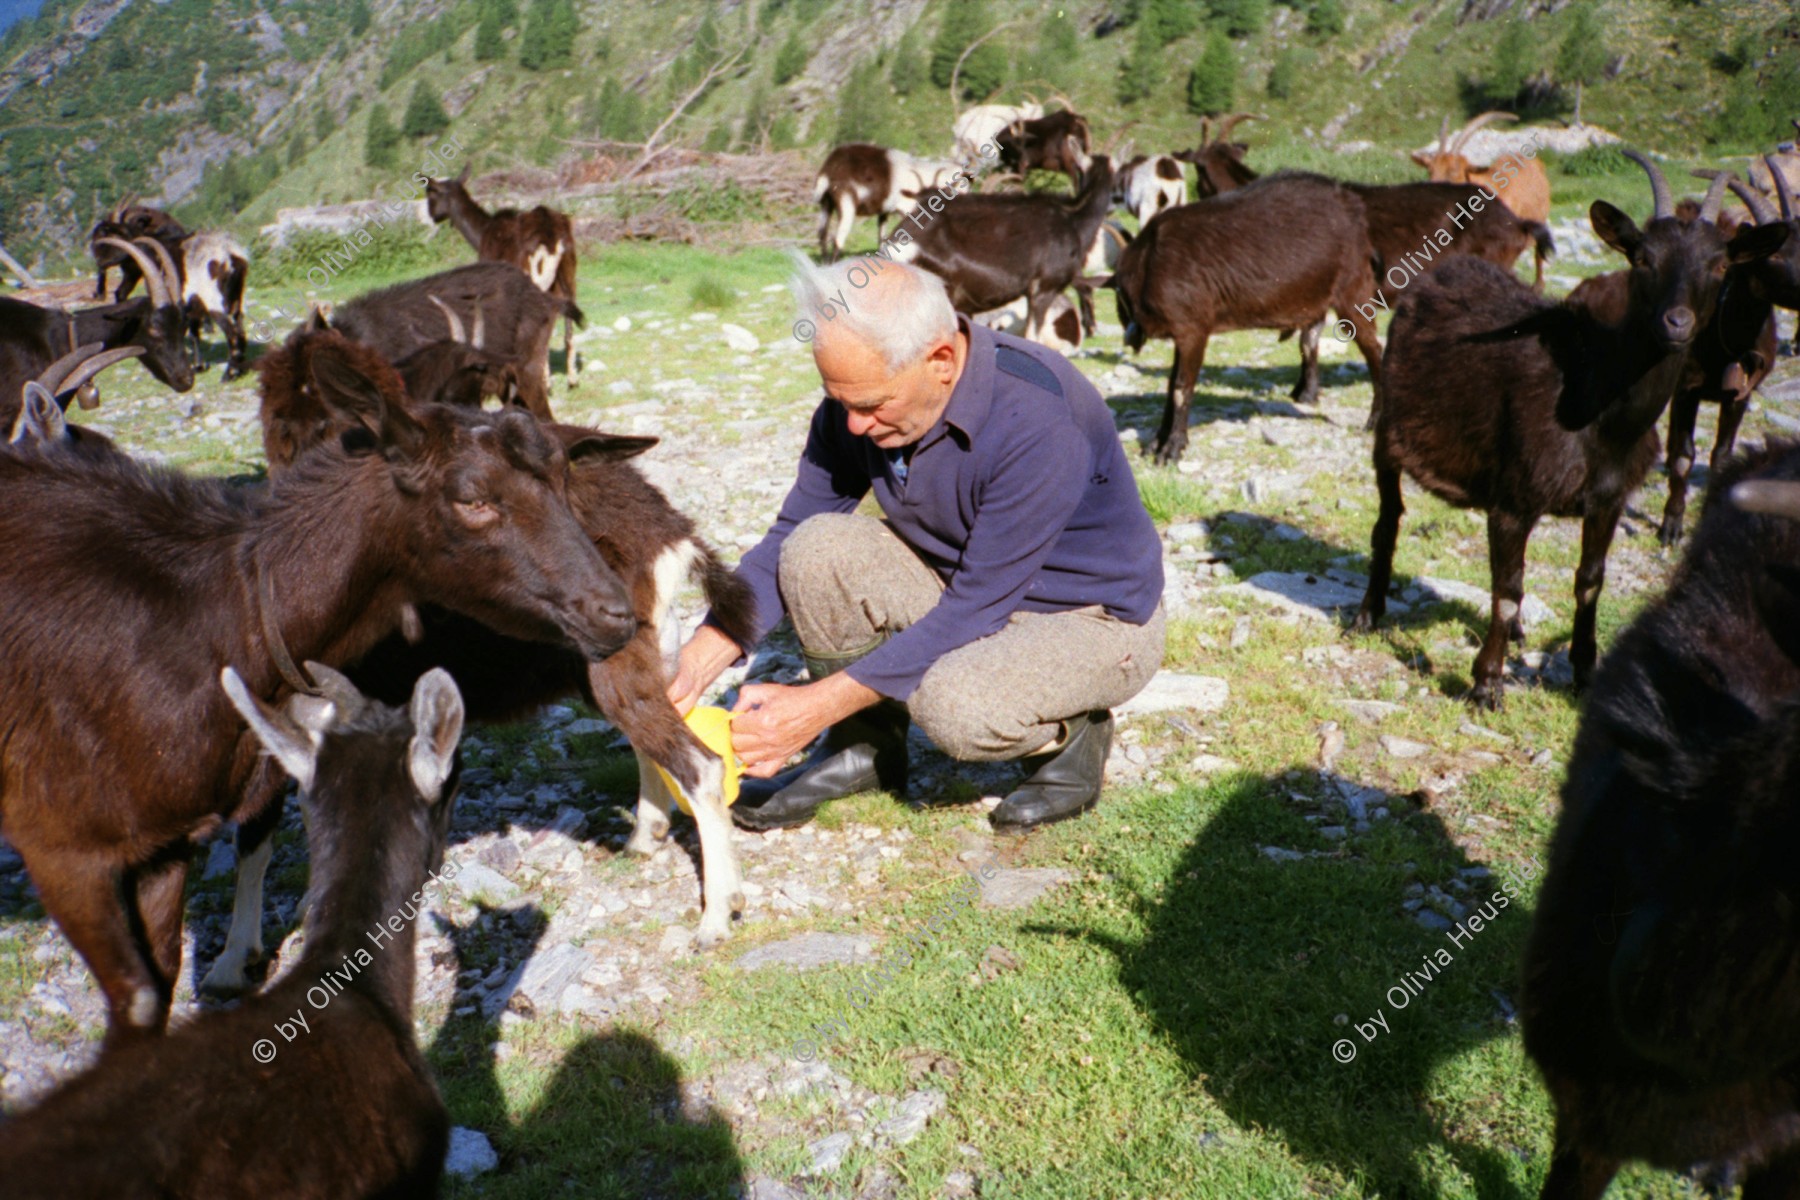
610	1124
1248	962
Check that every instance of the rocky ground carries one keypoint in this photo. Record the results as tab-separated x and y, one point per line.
550	924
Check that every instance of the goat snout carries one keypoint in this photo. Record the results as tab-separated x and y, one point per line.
600	625
1678	326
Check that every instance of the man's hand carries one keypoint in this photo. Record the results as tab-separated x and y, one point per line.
702	660
774	722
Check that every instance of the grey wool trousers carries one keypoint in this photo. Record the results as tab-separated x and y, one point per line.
849	583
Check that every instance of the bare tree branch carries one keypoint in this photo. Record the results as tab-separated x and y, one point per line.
12	264
651	153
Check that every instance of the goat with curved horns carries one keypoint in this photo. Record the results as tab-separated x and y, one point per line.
33	338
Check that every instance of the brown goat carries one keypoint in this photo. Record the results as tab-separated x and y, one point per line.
1219	161
1212	266
1518	180
131	587
1058	141
343	1107
652	547
1555	412
540	242
491	306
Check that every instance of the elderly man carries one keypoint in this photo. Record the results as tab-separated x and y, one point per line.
1011	596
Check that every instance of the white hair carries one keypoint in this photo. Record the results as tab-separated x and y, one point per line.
902	322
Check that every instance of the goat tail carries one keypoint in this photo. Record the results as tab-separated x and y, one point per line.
733	603
1540	233
572	311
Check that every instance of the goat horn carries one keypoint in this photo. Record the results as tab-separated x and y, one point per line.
1469	130
457	333
1781	189
1715	195
85	371
52	376
166	259
475	335
1234	120
1755	201
1205	132
1776	497
1659	187
1444	135
153	276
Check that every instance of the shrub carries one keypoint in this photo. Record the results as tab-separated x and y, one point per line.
791	59
1212	86
425	115
382	139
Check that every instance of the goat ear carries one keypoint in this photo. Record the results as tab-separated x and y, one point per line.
41	417
437	717
609	447
1756	241
1615	228
351	395
1423	159
296	748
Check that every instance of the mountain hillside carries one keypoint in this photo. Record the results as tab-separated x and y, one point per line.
228	110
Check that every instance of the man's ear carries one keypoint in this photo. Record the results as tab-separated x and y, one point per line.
941	360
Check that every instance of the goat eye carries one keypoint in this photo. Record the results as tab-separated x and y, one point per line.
476	514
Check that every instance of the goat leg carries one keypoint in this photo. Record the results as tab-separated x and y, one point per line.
1171	440
1597	527
629	687
1508	534
1381	546
1084	300
255	847
654	804
161	886
236	347
1575	1173
83	896
1683	414
1778	1179
1306	388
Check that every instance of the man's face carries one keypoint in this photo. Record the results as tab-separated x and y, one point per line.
891	409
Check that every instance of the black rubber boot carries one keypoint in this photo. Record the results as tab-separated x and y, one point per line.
866	750
1064	783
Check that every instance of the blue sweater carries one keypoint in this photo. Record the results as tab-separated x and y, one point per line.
1019	497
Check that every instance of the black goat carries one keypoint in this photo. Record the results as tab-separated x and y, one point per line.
991	250
129	587
1213	266
32	338
343	1105
1661	996
1730	359
1555	411
492	306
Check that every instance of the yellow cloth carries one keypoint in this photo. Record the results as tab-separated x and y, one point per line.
712	725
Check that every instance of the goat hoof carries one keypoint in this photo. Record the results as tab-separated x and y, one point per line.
1488	696
711	934
644	843
1364	622
1669	535
736	902
223	986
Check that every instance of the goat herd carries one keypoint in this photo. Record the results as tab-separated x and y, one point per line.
414	549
